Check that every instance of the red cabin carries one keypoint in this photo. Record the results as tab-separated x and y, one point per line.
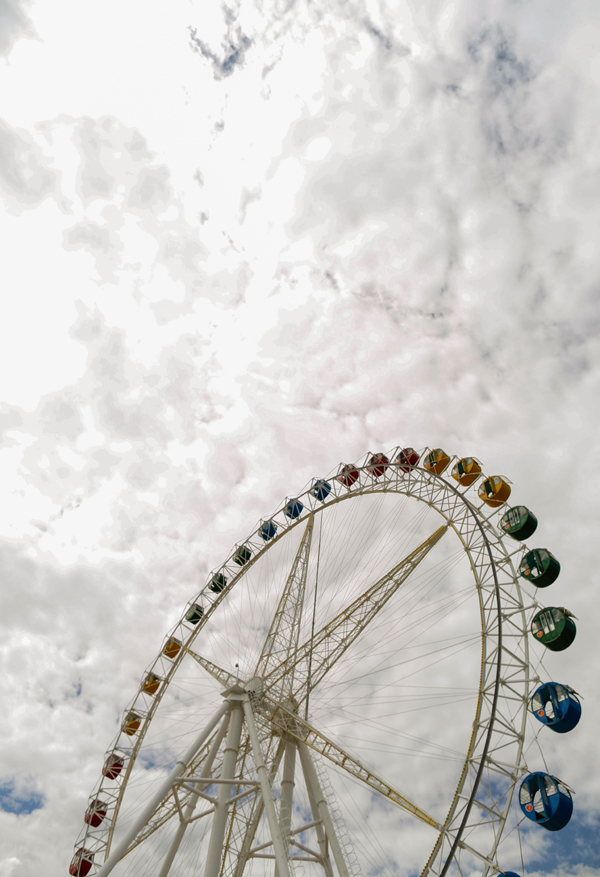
407	458
348	475
95	813
113	766
81	863
377	465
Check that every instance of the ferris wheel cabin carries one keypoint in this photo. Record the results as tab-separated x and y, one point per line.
293	509
81	863
540	567
95	813
407	459
519	523
194	613
217	583
242	555
131	723
557	706
554	627
113	766
171	648
494	491
466	471
546	800
267	530
436	461
348	475
321	490
378	463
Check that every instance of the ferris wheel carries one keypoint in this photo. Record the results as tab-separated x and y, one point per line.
349	692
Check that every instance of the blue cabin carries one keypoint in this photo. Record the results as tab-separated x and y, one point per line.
267	530
557	706
546	800
321	490
293	508
510	874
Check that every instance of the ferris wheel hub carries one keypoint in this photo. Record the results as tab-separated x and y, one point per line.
254	688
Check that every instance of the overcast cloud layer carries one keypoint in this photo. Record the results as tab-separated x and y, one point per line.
241	245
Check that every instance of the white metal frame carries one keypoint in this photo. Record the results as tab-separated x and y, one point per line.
479	809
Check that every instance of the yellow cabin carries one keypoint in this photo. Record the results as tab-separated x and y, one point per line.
172	647
494	491
151	683
436	461
131	723
466	471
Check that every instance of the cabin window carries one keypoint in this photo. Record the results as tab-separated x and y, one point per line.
514	516
524	794
548	622
538	802
561	692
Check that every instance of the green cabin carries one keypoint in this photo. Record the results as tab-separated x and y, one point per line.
539	567
519	523
194	613
554	627
242	555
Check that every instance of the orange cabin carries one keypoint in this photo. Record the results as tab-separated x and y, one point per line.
131	723
466	471
172	648
151	683
494	491
436	461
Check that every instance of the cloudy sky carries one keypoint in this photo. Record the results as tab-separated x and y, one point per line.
241	243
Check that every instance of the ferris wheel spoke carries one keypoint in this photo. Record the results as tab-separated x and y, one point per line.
289	722
327	646
224	677
282	639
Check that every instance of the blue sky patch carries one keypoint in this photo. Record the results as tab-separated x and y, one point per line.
18	795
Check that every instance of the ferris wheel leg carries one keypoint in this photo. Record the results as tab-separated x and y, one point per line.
251	829
287	794
217	836
321	836
122	847
279	847
191	805
315	791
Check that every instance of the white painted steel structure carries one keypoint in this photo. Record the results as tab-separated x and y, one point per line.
261	717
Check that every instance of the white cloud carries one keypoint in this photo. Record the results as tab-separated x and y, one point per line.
375	226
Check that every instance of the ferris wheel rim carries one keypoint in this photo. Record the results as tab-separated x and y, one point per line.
375	487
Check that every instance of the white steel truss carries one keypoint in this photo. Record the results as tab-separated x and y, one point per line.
263	727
